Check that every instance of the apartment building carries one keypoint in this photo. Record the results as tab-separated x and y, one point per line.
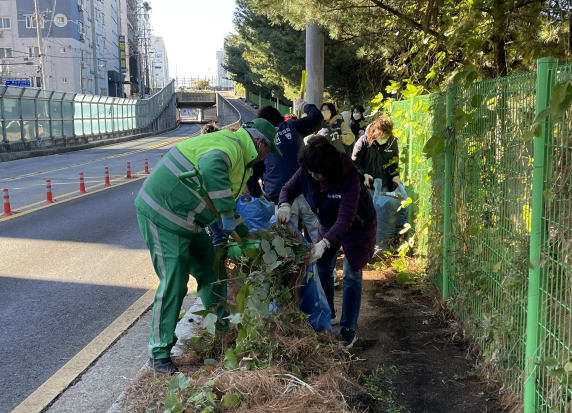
160	65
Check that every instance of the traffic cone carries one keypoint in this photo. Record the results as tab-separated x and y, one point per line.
49	199
128	170
146	166
7	210
107	183
81	184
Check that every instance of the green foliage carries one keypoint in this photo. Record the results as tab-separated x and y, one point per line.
380	386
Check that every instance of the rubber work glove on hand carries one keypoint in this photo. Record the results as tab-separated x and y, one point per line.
284	214
367	179
323	132
228	225
318	251
300	104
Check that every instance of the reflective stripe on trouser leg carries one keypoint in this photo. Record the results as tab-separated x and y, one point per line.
170	256
201	267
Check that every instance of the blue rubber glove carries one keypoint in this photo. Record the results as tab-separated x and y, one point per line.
228	225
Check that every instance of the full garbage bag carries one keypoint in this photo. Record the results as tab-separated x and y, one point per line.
390	218
313	301
255	211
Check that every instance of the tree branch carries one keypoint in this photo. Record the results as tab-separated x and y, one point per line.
406	19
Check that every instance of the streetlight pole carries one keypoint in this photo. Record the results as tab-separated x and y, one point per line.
40	47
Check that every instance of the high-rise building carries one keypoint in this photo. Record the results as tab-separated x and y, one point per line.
221	72
160	64
73	51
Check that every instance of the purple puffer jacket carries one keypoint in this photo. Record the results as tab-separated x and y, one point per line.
338	207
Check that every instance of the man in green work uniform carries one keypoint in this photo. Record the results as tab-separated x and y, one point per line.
172	218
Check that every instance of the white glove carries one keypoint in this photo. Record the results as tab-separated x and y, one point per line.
323	132
300	104
396	180
317	251
284	214
367	179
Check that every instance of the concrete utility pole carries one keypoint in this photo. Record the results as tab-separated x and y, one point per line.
39	19
315	64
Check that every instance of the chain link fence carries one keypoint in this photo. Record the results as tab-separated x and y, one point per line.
492	214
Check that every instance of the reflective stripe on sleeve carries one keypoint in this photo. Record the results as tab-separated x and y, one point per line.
220	153
220	194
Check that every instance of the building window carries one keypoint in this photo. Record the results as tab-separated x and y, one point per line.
36	81
63	50
5	23
33	51
80	27
64	79
31	22
5	52
61	20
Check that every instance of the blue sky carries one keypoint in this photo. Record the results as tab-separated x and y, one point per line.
193	30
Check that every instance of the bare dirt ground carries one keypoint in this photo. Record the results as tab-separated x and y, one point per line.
414	356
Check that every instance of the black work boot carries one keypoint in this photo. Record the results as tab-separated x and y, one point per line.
162	366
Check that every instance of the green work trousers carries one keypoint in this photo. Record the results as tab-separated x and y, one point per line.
174	257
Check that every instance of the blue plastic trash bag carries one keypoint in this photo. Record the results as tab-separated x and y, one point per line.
255	211
390	219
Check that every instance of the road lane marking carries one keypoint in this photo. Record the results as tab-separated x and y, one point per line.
20	214
62	197
60	381
14	178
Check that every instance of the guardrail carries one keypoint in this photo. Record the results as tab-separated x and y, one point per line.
31	114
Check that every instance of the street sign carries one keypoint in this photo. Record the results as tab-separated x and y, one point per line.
122	56
20	83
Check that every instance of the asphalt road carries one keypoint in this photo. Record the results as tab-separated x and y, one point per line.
247	112
26	178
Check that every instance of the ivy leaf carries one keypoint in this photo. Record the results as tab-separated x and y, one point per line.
273	266
235	318
473	230
476	100
229	401
406	228
568	367
179	382
434	146
556	372
171	404
241	297
403	277
230	362
209	322
497	266
265	246
543	114
270	257
202	313
547	362
296	372
479	250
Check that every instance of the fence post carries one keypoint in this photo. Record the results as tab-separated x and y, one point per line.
447	196
410	157
259	101
543	91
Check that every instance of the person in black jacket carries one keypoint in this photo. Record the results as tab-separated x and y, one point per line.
279	169
376	156
356	118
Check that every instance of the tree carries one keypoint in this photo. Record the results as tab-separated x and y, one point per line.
268	58
498	37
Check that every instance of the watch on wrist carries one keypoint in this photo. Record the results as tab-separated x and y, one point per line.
328	244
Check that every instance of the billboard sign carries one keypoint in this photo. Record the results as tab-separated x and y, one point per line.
19	83
122	56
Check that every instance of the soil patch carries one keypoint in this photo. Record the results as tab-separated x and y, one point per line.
414	356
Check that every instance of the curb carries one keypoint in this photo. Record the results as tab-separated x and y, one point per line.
187	328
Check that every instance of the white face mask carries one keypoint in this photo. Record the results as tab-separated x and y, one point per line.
357	116
327	114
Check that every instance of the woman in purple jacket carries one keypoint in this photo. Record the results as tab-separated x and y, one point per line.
335	191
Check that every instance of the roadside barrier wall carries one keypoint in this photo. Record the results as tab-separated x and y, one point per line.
39	121
489	171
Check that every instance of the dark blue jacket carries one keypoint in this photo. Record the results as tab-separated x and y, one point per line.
291	134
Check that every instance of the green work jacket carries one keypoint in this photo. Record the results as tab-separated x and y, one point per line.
224	160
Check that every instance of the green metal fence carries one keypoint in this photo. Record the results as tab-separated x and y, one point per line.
493	214
260	101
